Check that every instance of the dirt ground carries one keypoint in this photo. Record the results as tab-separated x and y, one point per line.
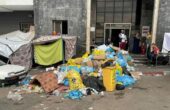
149	93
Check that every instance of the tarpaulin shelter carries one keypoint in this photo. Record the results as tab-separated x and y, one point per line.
49	50
16	46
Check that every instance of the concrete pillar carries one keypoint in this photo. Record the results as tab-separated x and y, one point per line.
88	26
155	20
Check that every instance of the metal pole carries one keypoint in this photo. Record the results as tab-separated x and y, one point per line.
61	34
155	20
88	26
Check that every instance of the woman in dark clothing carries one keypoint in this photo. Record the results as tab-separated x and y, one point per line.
136	47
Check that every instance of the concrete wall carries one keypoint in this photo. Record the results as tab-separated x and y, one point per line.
72	10
9	21
163	21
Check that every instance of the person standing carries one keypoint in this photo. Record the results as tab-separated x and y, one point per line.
136	47
148	40
123	40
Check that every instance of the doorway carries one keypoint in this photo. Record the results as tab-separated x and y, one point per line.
112	31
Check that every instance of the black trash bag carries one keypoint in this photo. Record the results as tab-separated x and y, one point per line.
108	63
120	87
125	71
163	60
94	82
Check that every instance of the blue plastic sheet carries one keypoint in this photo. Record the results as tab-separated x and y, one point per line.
120	55
126	80
67	68
26	80
122	62
87	69
110	55
110	50
66	82
75	94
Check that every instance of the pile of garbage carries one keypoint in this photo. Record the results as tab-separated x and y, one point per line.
107	68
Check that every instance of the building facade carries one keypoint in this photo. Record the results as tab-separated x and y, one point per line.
108	17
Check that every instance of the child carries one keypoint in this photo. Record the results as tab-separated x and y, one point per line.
155	51
143	48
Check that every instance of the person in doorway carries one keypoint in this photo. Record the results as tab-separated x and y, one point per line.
136	47
109	41
148	40
123	40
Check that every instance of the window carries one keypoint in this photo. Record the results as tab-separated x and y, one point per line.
60	26
114	11
25	26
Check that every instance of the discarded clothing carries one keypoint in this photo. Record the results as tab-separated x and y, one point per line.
48	81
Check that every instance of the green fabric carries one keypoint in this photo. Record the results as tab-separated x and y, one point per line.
49	54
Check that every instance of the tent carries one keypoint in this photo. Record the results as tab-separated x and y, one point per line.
16	46
166	43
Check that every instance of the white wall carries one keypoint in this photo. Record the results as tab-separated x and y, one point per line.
16	2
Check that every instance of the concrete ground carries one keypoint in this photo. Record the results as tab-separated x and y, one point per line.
149	93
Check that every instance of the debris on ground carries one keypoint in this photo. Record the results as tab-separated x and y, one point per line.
107	68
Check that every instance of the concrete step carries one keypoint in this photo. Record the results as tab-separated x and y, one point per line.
139	59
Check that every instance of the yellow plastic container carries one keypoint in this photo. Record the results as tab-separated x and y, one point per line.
109	78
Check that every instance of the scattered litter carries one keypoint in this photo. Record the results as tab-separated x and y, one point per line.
14	96
42	104
45	108
49	69
56	93
90	108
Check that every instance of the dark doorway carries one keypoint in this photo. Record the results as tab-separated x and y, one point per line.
115	36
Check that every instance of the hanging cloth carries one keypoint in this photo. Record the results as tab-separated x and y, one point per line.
49	54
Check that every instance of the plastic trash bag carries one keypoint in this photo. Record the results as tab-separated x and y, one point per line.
66	82
85	55
103	47
26	80
75	94
98	52
110	55
110	50
61	76
122	62
68	68
14	96
75	81
126	80
120	55
87	69
71	62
